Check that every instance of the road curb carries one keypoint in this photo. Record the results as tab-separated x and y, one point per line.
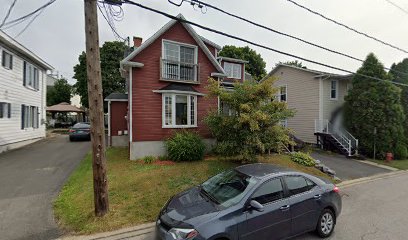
124	233
371	178
378	165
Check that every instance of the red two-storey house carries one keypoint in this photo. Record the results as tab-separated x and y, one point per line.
167	78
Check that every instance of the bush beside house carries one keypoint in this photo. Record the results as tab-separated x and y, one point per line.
249	122
185	146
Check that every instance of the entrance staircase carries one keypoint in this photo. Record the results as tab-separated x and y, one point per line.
331	137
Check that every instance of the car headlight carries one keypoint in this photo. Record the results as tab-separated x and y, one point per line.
183	233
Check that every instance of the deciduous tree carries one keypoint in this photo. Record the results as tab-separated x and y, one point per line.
256	65
60	92
111	55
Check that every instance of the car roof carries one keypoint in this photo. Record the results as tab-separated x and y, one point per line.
260	170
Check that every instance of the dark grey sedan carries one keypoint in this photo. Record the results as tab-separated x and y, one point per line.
80	131
252	202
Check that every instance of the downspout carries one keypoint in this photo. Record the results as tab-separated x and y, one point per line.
109	123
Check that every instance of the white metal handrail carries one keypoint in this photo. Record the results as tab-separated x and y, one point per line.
346	139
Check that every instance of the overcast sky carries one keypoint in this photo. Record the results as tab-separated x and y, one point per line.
57	35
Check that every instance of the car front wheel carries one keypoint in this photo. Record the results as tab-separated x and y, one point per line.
326	223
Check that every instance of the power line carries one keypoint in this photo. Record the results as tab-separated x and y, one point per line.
8	13
347	27
200	3
28	24
111	24
256	44
23	18
397	6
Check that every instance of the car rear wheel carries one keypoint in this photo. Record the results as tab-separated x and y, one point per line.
326	223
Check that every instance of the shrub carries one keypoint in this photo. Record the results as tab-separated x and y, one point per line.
185	146
401	151
302	158
148	159
162	158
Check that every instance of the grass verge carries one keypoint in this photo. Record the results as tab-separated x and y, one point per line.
137	191
399	164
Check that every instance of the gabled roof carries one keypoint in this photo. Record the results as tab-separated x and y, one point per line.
117	97
166	27
211	43
316	72
19	48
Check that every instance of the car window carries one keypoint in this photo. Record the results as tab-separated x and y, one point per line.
229	187
269	192
81	125
298	184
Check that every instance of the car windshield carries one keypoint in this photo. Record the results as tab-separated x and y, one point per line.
229	187
81	125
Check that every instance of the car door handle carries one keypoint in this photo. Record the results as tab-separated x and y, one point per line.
318	196
284	208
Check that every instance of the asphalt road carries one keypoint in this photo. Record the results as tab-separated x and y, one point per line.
30	177
371	211
347	169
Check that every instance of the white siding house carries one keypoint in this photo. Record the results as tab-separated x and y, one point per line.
22	94
316	97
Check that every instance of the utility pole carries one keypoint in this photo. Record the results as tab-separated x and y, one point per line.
93	67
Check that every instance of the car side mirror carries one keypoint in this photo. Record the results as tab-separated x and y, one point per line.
256	205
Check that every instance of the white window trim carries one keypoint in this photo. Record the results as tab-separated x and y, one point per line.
40	76
232	72
337	89
280	93
173	110
5	117
12	59
181	44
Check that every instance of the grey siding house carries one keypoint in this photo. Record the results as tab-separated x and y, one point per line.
317	98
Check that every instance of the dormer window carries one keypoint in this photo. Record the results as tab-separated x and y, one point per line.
179	61
233	70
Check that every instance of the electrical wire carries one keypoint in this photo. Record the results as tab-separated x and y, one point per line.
397	6
29	23
348	27
111	22
8	13
193	2
25	17
256	44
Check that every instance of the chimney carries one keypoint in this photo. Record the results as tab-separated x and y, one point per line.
137	41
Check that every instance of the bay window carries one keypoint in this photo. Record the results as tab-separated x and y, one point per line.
179	110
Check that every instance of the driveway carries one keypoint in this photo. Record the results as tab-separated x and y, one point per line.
346	168
30	177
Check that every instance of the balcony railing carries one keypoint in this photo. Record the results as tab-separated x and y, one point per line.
178	71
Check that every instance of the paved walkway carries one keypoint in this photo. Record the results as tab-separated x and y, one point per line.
346	168
30	177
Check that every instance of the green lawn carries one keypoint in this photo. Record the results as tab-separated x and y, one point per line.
399	164
137	191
